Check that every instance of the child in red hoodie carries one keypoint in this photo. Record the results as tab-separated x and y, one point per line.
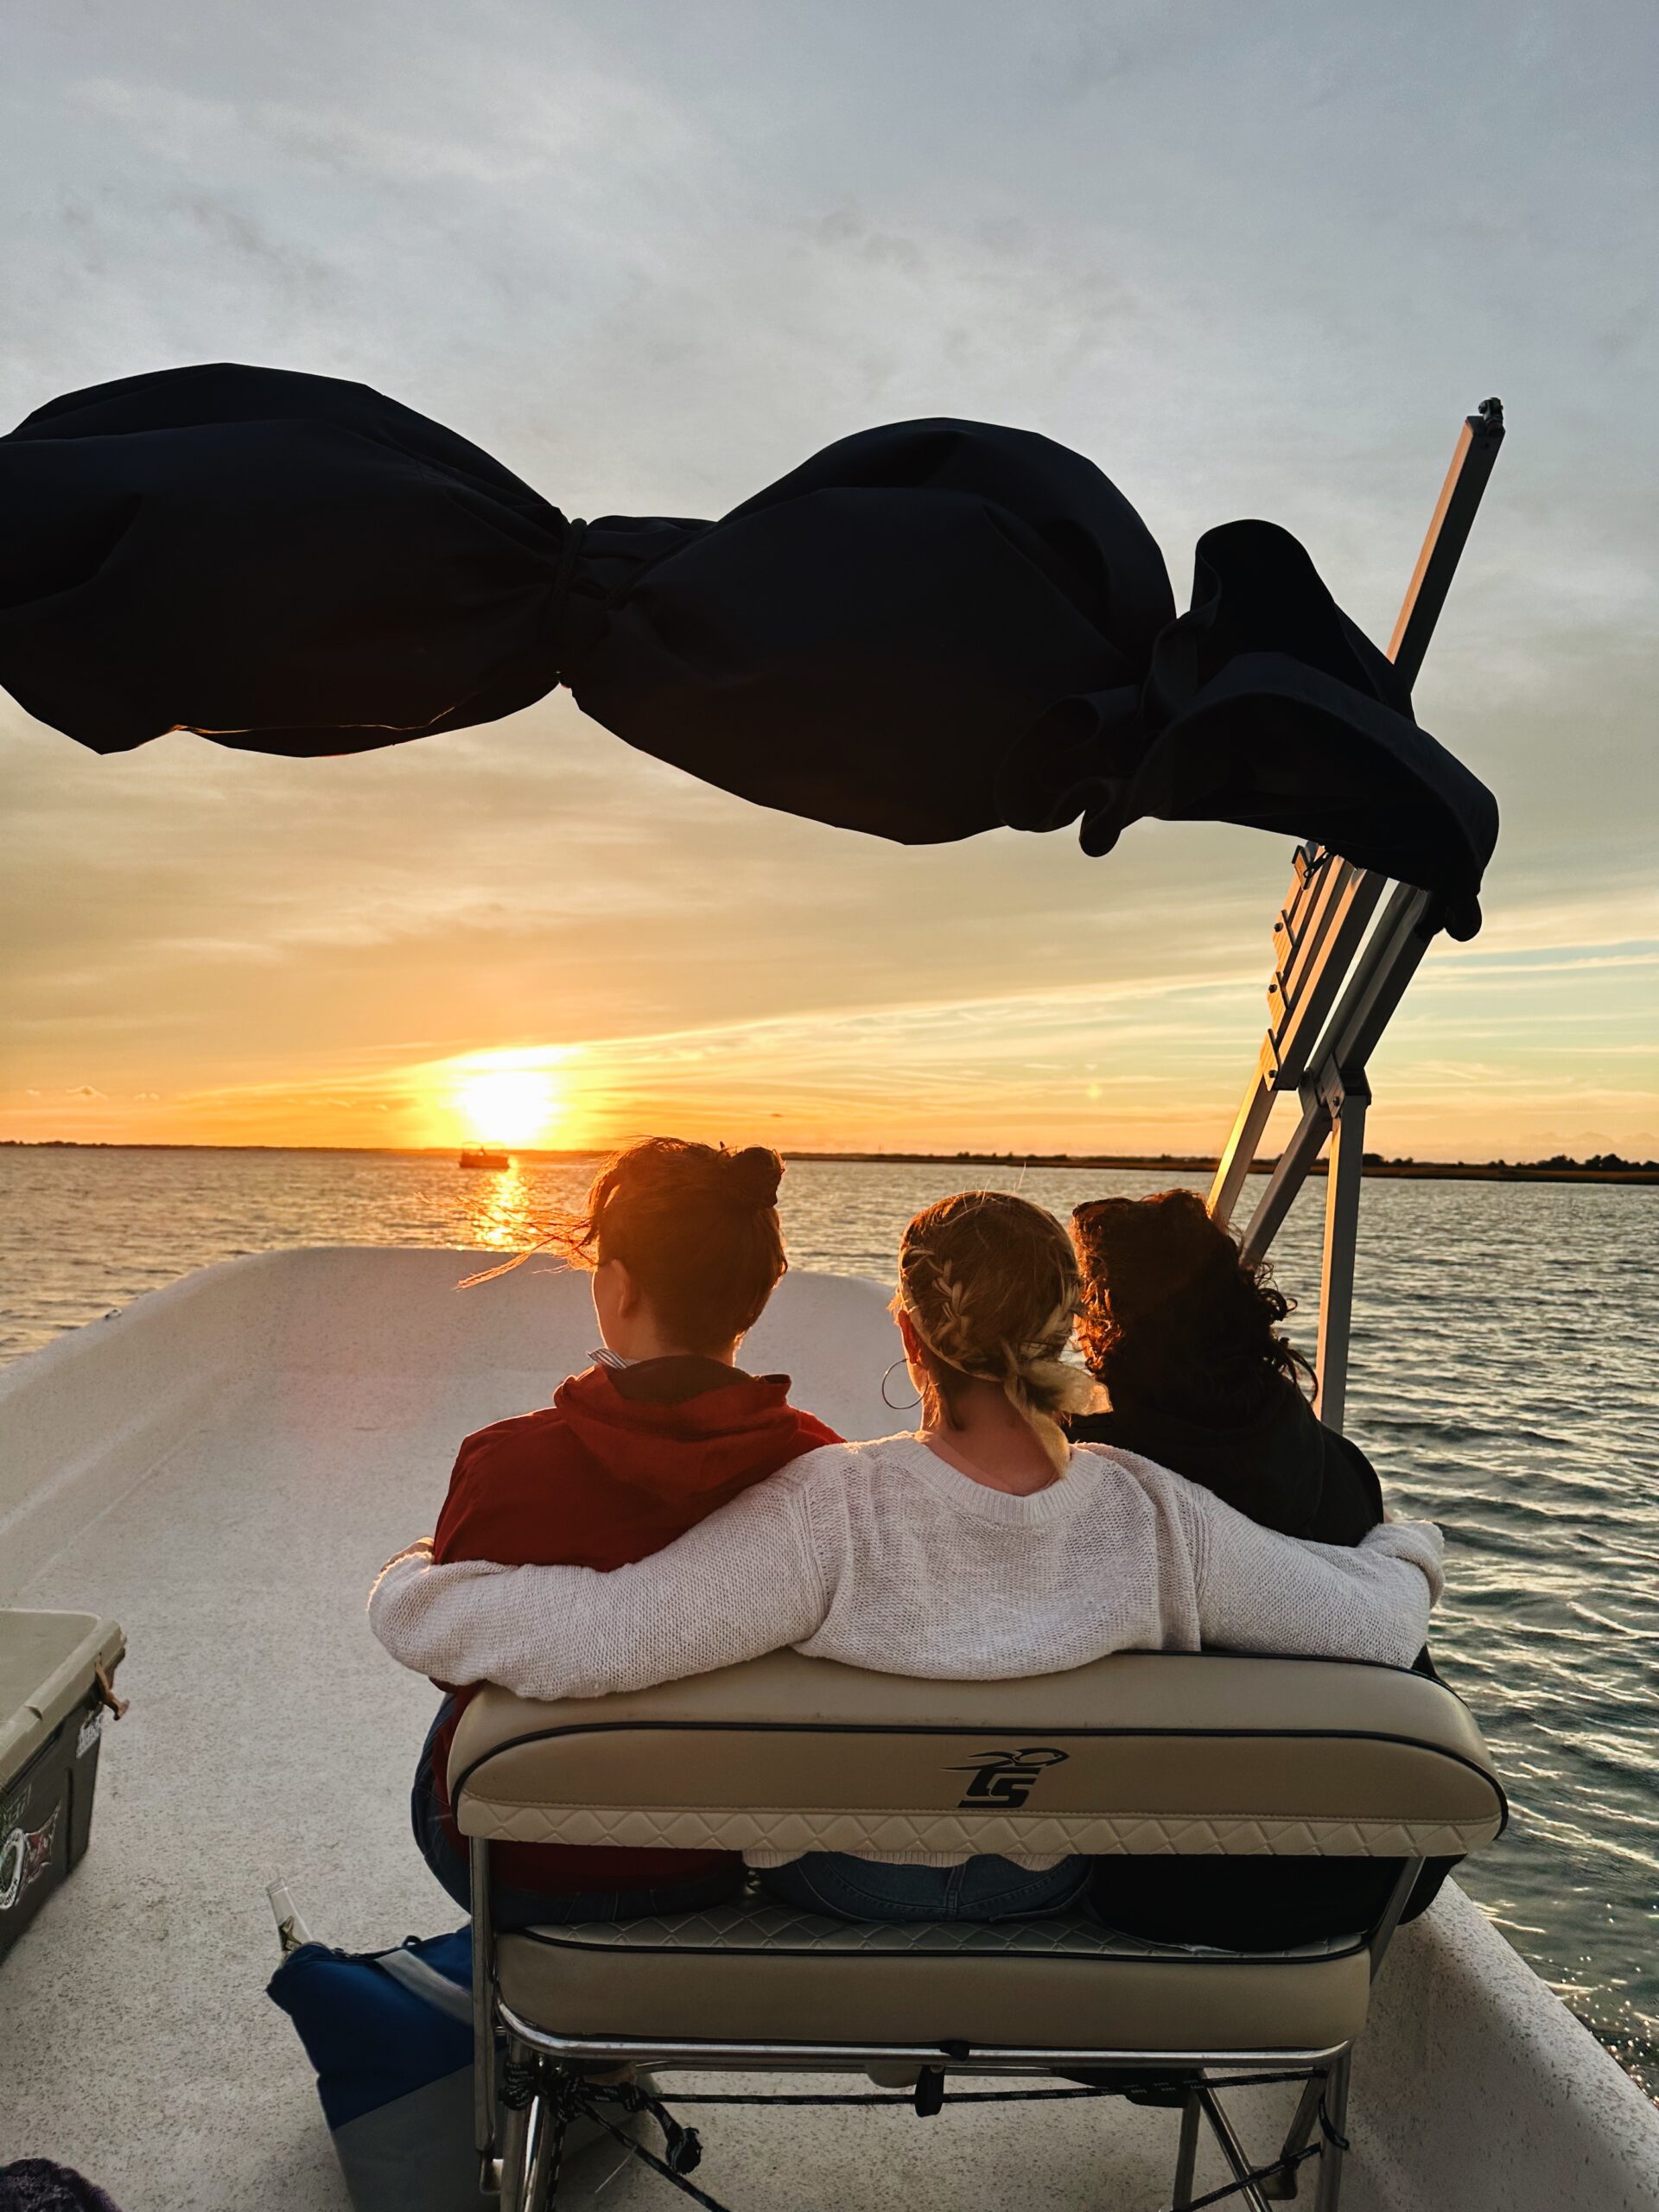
686	1249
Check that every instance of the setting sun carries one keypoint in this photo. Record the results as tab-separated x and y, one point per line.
509	1105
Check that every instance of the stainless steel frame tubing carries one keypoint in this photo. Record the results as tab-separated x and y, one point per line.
1331	2154
1399	1898
1283	2186
1186	2152
1231	2149
858	2058
532	2145
483	2011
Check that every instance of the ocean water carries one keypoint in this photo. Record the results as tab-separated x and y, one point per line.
1504	1380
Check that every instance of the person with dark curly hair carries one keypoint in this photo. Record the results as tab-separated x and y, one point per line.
1183	1334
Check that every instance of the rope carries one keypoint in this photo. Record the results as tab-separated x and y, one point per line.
1329	2133
681	2145
660	2165
1251	2180
1287	2164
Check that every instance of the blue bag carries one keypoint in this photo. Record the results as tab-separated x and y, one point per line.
390	2035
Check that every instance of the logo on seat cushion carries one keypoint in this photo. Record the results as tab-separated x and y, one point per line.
1004	1779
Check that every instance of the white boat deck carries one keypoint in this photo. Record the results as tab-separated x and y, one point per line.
222	1468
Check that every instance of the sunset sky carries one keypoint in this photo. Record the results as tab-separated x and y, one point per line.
1254	261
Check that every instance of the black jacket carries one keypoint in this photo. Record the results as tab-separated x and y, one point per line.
1283	1468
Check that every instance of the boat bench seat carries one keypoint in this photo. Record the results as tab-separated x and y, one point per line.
1143	1752
759	1972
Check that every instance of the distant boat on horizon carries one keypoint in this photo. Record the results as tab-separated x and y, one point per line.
482	1156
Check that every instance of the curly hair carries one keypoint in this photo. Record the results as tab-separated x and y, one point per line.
989	1282
1172	1313
694	1225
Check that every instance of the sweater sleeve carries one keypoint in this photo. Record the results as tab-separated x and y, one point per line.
1258	1591
744	1581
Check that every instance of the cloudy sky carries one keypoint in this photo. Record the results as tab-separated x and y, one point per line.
1253	260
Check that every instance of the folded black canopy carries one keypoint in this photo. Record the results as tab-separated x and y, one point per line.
925	631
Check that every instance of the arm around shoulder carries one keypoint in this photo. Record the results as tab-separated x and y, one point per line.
1258	1591
743	1582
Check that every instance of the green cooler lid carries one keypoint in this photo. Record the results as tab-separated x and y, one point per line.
47	1664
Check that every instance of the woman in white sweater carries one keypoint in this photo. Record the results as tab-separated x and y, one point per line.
983	1545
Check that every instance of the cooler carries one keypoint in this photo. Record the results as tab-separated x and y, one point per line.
55	1678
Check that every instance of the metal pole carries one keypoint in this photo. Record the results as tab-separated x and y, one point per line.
1341	1240
1448	533
1393	1912
1329	2189
483	2004
1317	940
1232	1170
1231	2149
1374	990
1186	2151
1320	928
1283	2186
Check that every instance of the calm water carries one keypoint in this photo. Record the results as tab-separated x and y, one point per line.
1504	1380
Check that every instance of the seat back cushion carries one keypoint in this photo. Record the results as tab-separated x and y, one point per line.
1143	1752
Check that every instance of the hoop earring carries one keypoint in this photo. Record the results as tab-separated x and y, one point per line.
912	1404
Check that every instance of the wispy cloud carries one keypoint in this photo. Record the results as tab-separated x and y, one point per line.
653	261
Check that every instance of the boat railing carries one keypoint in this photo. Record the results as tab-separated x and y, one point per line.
1340	971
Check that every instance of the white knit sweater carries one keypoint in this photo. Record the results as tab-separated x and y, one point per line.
883	1556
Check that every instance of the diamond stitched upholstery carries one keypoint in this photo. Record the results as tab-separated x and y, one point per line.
765	1925
871	1834
758	1973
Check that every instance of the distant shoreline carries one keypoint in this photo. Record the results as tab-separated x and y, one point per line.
1421	1171
1604	1170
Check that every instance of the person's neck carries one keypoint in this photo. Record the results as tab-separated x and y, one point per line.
642	1340
984	1437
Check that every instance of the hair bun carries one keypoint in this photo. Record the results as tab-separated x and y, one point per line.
752	1176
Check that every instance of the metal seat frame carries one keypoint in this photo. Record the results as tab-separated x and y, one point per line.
1332	995
524	2165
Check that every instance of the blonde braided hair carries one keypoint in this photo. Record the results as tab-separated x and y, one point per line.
990	1284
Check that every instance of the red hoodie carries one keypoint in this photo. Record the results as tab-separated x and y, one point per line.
624	1460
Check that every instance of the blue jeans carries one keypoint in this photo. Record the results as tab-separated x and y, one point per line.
513	1908
986	1888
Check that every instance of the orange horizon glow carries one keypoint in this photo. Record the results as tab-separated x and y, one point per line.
1150	1069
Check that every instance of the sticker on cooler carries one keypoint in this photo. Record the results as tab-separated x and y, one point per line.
90	1729
24	1857
13	1851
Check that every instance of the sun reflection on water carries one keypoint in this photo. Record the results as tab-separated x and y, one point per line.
502	1215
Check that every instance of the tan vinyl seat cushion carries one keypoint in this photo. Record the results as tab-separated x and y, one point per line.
759	1972
1143	1752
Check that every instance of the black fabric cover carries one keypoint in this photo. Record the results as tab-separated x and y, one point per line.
925	632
